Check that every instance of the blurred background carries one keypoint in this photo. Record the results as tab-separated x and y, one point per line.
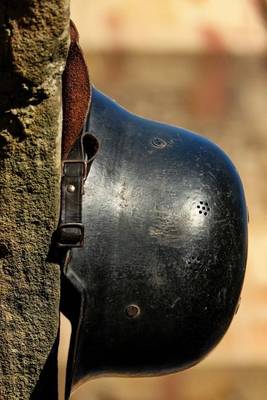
200	64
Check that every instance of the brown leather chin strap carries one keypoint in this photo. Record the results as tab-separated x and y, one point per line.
76	93
78	152
76	97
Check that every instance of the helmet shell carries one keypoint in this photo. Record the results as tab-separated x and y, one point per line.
165	248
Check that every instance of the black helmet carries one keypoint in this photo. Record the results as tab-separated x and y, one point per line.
158	280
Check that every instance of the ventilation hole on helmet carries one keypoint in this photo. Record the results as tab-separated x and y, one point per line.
158	143
91	146
203	207
133	311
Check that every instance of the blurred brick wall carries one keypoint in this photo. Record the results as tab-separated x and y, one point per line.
170	25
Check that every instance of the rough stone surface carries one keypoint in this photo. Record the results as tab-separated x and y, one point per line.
33	50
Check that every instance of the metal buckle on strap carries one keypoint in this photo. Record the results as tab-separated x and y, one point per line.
84	165
70	235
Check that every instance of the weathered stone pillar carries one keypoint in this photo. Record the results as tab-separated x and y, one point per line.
33	50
